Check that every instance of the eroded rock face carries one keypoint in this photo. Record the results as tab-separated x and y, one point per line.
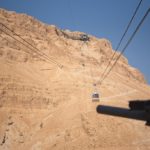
55	42
45	106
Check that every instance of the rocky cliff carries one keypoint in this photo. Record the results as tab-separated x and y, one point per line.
46	81
60	44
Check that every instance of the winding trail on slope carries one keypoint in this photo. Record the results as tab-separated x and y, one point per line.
118	95
103	98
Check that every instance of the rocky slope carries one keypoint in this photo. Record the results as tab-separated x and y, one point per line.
45	97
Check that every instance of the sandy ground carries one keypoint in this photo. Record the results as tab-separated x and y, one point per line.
55	111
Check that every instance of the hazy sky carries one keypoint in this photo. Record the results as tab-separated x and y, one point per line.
101	18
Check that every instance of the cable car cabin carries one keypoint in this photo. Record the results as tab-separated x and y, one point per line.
84	37
95	97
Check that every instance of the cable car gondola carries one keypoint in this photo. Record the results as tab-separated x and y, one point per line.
95	94
95	97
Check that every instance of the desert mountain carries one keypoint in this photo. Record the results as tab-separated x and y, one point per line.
46	85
